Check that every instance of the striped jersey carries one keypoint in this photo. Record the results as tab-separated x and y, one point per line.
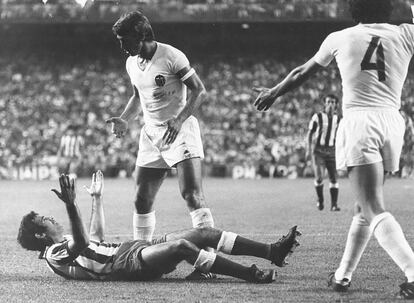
325	127
93	263
70	145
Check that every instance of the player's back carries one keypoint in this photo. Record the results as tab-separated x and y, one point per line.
373	60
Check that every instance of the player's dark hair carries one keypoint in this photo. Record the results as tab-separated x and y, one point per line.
332	97
27	233
134	22
370	11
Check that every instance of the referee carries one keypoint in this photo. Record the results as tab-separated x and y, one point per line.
321	148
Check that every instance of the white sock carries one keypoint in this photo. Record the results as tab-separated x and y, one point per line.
202	217
144	226
391	237
226	242
358	237
333	185
205	261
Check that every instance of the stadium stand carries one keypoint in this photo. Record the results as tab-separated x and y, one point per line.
40	100
51	80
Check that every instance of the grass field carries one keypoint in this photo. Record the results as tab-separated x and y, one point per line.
261	209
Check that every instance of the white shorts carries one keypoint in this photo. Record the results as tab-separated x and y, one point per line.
370	136
152	153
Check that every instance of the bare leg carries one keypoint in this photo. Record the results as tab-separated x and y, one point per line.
319	171
189	180
333	183
148	182
165	257
211	237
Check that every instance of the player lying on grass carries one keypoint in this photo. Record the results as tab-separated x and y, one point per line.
88	257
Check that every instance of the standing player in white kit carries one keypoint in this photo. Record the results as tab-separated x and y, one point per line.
373	59
160	75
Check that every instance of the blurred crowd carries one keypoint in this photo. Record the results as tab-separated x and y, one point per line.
183	10
40	99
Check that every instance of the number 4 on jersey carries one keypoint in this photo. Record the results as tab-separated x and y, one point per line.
379	65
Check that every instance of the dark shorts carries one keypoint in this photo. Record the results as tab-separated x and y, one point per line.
128	263
324	155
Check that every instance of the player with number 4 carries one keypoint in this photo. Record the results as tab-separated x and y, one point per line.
373	59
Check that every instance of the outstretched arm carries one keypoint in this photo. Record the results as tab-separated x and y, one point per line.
267	96
97	224
68	195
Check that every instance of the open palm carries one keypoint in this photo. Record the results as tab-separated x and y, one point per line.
97	184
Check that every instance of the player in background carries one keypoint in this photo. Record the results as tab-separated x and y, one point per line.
373	59
69	155
88	257
321	149
161	76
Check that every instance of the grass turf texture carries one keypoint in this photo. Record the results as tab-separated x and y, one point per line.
260	209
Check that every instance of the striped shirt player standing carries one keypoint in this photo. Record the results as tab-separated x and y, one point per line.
70	151
321	149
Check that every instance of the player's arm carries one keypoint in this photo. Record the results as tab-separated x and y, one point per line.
120	124
197	94
267	96
67	194
97	224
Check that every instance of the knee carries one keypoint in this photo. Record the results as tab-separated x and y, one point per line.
205	233
183	248
143	203
318	180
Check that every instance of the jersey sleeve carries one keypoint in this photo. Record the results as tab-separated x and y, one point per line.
178	60
408	31
326	54
313	123
59	254
127	67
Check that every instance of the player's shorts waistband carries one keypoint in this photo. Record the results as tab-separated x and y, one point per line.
369	109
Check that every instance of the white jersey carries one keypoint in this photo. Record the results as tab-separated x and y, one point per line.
160	73
373	61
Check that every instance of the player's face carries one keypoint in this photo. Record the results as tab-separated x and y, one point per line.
330	105
52	228
130	43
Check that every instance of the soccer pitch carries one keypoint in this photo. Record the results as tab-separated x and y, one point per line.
261	209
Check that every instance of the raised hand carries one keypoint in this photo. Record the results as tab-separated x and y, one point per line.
119	126
67	190
265	99
97	184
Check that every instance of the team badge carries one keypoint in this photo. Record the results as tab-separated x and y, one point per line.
160	80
